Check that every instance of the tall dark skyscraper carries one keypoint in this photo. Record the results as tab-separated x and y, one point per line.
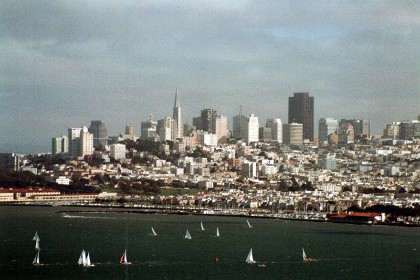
301	110
100	133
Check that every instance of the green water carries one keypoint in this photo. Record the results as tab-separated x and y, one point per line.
341	251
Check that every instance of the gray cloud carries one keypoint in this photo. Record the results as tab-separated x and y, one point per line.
64	63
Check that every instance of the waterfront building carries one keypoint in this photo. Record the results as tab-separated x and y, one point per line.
9	162
246	128
177	116
100	133
293	133
117	151
301	110
326	127
276	129
60	145
346	134
148	129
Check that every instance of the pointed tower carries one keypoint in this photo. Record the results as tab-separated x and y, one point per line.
177	116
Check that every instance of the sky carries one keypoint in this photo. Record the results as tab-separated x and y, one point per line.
65	63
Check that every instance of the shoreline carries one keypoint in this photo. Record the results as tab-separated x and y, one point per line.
196	212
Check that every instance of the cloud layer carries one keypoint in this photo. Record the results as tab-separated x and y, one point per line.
65	63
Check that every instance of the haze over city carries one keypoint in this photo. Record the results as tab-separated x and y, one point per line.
67	63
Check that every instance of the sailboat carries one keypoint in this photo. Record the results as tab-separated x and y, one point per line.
84	259
305	258
153	232
123	259
250	257
36	239
249	225
36	260
217	232
188	235
202	227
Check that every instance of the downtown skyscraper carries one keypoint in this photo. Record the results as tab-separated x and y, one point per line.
177	117
301	110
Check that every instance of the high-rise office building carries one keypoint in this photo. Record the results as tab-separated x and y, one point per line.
346	134
361	127
148	129
276	129
246	128
74	141
326	126
166	129
301	110
100	133
177	117
9	161
293	133
220	127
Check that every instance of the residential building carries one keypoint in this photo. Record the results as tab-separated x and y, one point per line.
117	151
60	145
74	141
246	128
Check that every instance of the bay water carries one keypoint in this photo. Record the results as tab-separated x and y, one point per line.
339	251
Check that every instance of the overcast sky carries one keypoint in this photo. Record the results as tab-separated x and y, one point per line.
65	63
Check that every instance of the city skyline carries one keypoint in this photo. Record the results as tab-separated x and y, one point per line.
66	64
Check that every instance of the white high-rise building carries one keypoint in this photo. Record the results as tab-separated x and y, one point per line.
166	129
117	151
178	132
327	126
60	145
246	128
220	125
148	129
86	143
276	129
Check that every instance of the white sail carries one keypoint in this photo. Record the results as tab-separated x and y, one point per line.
36	259
202	227
303	254
123	259
249	225
37	244
153	231
87	263
217	232
188	235
250	257
82	258
36	237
